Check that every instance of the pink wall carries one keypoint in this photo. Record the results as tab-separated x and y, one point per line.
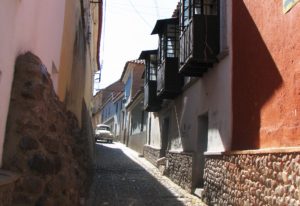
266	75
27	25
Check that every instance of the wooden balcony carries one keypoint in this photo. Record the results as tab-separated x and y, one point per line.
151	101
199	45
169	81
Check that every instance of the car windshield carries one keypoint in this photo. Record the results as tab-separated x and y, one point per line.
104	128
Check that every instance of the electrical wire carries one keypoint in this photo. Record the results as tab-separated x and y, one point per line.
140	6
126	12
156	8
138	13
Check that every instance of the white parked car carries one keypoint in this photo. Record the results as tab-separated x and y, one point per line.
103	132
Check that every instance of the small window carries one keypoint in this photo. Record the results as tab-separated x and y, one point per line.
186	11
169	43
172	40
151	68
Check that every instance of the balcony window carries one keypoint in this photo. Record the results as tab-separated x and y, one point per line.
169	43
169	81
168	30
199	37
151	68
151	101
186	12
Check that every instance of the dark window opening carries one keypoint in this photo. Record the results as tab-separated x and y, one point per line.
151	68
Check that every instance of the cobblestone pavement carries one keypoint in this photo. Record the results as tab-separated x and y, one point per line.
122	178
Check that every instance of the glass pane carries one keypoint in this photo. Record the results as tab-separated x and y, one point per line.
171	47
153	67
186	12
172	41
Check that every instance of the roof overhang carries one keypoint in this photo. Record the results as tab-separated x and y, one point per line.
162	23
136	100
146	53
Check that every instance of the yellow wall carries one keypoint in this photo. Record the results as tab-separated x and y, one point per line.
78	59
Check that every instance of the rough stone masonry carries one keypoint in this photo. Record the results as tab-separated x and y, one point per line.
43	142
179	169
253	179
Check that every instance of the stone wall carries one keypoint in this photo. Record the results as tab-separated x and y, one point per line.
253	179
6	194
151	154
179	169
43	142
7	185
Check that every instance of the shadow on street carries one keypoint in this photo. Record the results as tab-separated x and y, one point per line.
119	181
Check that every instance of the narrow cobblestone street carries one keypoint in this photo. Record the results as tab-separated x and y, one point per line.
122	178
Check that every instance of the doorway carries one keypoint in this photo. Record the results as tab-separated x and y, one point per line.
165	136
149	131
201	147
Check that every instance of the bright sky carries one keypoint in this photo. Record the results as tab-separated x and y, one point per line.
126	32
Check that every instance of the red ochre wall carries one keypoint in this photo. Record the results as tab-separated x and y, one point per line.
266	75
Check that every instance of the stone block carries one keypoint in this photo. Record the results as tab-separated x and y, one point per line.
32	184
27	143
264	179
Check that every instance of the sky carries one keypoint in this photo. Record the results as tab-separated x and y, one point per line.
127	28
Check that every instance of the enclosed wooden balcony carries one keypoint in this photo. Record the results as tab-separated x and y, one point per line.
169	81
199	38
152	103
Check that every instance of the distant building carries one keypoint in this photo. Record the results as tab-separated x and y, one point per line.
118	114
101	98
111	113
137	123
133	124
